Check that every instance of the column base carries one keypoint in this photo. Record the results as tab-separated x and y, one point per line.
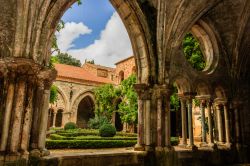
203	144
168	148
192	147
149	148
228	145
39	153
212	145
159	148
182	145
139	147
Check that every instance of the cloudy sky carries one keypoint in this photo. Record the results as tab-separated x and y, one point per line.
94	32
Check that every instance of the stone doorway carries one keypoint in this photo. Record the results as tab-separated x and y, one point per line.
118	122
59	117
85	111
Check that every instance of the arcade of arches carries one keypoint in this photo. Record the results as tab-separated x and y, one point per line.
156	29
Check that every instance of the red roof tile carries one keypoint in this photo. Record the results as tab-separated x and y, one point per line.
78	73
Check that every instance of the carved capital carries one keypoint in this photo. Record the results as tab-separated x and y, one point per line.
46	78
161	91
144	91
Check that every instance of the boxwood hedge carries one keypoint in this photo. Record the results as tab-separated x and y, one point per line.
88	144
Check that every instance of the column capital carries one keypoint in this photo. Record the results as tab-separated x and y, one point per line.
220	101
46	78
144	91
161	91
189	95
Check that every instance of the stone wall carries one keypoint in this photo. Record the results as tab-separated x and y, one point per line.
127	66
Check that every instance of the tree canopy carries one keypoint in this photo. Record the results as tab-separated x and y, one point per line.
65	58
193	52
122	99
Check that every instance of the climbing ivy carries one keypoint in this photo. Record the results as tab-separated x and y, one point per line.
53	94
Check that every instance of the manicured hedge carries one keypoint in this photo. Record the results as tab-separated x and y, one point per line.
90	144
107	130
174	141
59	137
82	132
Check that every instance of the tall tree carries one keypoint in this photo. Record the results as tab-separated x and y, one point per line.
65	58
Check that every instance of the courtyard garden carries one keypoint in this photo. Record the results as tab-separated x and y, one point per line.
105	137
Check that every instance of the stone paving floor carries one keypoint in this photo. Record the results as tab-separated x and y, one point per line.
74	152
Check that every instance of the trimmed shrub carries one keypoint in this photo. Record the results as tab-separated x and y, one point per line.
174	141
107	130
97	122
94	144
70	125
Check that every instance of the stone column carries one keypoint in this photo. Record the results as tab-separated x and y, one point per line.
190	124
54	119
28	118
18	113
219	122
159	123
44	119
148	133
210	126
7	115
168	124
143	128
161	95
237	124
140	143
203	124
183	122
227	129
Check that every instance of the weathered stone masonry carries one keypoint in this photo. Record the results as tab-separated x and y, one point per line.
24	98
156	29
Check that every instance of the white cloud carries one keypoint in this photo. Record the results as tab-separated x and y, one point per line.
113	45
69	33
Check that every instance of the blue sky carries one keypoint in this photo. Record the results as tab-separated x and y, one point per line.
95	31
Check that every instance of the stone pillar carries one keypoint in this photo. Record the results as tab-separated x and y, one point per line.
210	126
7	115
190	124
44	119
219	123
227	129
18	111
159	123
28	117
140	143
167	124
161	95
54	119
203	124
143	129
183	122
237	125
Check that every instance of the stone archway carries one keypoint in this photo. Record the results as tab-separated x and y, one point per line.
121	76
136	26
85	111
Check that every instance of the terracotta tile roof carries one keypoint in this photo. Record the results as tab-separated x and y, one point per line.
77	73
